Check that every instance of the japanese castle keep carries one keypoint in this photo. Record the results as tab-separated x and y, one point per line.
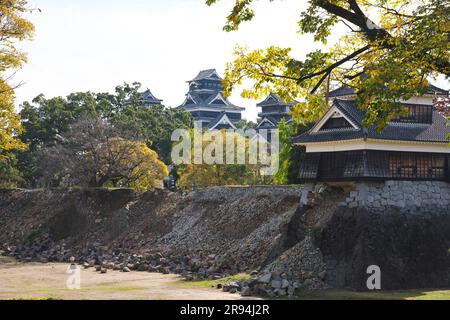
206	103
273	110
382	165
149	99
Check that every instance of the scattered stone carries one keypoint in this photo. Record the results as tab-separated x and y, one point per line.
233	290
280	292
284	284
245	291
323	274
291	290
265	278
276	284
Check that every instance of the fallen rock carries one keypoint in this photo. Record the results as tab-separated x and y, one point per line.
265	278
245	291
276	284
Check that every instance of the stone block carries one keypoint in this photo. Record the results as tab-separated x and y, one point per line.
353	205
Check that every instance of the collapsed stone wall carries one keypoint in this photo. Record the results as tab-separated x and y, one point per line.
288	238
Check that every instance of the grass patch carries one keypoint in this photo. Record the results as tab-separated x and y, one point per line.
337	294
214	283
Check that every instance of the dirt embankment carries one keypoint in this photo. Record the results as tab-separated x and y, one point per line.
220	231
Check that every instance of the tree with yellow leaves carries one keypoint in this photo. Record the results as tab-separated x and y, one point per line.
125	163
390	51
13	28
229	162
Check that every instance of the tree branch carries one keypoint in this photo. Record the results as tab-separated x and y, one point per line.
334	65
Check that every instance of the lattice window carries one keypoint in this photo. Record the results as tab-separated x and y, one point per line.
336	123
415	114
375	164
309	166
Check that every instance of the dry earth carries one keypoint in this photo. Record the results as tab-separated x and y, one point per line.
48	281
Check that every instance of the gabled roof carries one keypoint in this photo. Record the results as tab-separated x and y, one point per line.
349	91
149	97
210	74
222	117
273	100
274	121
209	102
214	100
438	91
342	91
269	120
335	111
203	96
437	131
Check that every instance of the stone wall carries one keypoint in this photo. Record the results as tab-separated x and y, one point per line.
409	196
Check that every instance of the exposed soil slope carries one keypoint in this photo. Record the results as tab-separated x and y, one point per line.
220	231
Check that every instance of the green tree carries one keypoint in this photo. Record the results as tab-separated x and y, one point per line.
396	45
290	155
245	125
155	125
285	136
45	120
10	176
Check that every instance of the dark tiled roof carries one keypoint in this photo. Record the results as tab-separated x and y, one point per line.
273	100
274	120
207	103
149	98
210	74
435	90
342	91
217	120
265	124
437	131
204	97
348	91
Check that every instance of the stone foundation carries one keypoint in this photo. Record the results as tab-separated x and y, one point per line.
412	196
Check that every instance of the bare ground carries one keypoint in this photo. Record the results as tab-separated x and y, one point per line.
48	281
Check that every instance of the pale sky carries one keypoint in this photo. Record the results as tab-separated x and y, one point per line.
94	45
